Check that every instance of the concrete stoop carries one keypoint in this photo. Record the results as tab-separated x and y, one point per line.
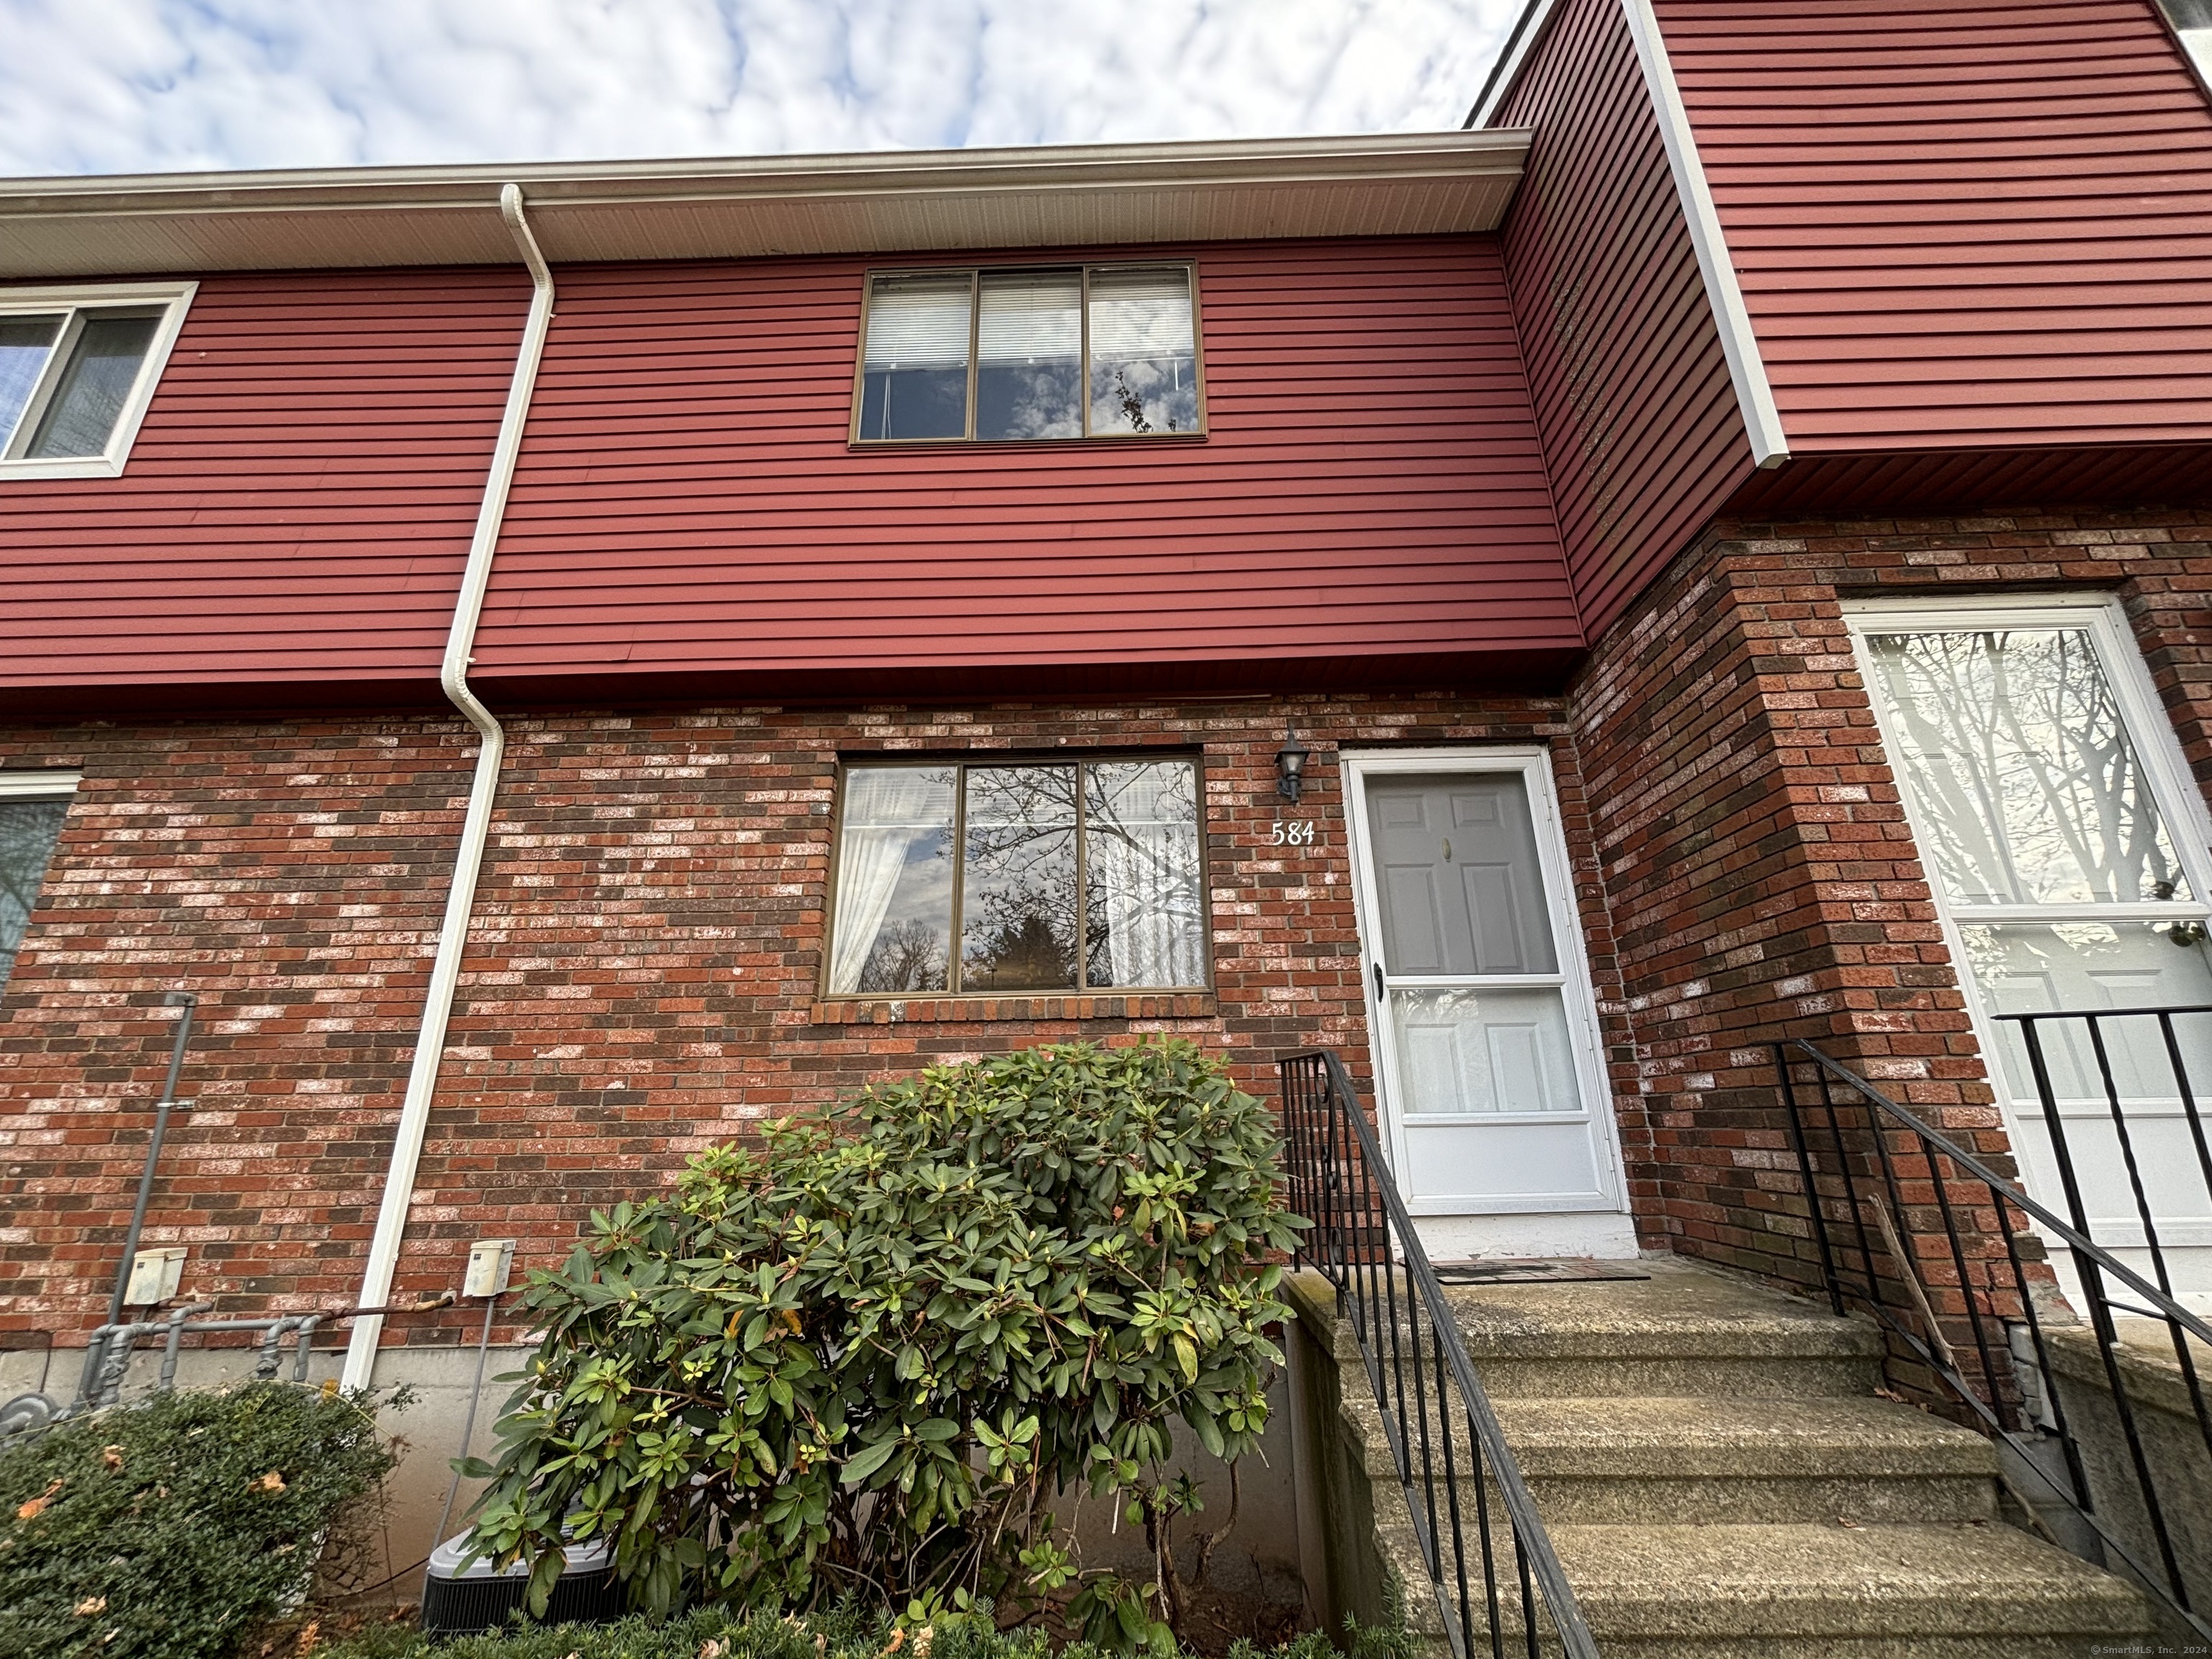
1722	1482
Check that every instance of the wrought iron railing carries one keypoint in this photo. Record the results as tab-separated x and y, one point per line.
1498	1581
2115	1086
1941	1249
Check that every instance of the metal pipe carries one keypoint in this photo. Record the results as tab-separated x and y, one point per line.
188	1002
468	1433
476	827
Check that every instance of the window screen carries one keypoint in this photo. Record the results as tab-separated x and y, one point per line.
103	366
68	376
1046	877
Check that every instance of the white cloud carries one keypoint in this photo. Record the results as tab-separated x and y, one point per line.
130	86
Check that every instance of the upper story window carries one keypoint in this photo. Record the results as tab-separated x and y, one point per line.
1030	352
1023	878
77	368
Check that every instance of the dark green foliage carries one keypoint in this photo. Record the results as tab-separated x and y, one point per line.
170	1529
842	1636
863	1356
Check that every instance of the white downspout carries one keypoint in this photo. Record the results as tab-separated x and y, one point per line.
476	827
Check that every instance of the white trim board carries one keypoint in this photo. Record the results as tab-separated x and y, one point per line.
1754	393
39	786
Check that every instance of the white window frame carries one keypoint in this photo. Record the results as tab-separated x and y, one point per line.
39	786
1532	763
2173	789
75	299
25	785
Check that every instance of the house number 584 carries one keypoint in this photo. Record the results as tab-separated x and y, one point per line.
1298	832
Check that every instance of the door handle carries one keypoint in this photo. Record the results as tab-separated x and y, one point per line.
1378	980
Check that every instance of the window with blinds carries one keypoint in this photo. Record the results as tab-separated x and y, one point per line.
1029	353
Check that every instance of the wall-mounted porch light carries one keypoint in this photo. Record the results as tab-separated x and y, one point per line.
1290	765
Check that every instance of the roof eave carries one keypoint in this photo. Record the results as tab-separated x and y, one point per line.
1396	184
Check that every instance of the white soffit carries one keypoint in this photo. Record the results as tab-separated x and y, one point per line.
1381	184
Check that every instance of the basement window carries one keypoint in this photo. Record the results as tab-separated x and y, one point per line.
31	807
77	369
985	880
1029	353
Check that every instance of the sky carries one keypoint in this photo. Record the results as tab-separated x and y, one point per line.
158	86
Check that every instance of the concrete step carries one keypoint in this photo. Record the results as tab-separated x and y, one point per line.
1961	1591
1721	1482
1684	1331
1976	1591
1672	1459
1619	1461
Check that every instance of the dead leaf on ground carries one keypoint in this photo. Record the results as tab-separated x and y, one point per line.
32	1509
111	1457
90	1604
272	1481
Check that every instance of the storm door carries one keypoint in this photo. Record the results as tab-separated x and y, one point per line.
1484	1030
2056	823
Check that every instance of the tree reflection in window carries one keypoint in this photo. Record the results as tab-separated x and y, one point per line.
1070	876
28	832
1017	922
2016	751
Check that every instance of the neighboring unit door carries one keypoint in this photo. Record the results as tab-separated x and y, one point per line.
2065	843
1494	1103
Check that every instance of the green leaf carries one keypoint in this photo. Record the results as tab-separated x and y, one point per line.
868	1460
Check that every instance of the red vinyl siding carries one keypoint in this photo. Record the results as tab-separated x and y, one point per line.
298	505
687	506
1982	224
1639	419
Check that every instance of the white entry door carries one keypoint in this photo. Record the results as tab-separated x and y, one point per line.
1494	1104
2066	845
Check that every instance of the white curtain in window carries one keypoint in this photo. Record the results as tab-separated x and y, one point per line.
1144	871
887	809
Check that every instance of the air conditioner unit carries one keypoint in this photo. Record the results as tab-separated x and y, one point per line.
460	1600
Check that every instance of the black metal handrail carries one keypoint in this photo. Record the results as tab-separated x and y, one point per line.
2032	1030
1364	1242
1875	1180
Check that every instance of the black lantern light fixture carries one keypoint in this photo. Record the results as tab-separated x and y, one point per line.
1290	765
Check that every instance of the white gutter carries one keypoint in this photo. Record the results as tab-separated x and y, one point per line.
476	827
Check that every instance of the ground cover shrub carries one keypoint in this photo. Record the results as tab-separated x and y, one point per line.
171	1528
868	1355
718	1633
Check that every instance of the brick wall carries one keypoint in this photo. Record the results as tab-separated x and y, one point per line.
643	973
1750	835
641	978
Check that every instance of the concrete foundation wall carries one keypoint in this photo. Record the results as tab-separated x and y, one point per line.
2173	1449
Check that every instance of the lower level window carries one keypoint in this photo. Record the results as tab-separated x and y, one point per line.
32	808
1054	877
